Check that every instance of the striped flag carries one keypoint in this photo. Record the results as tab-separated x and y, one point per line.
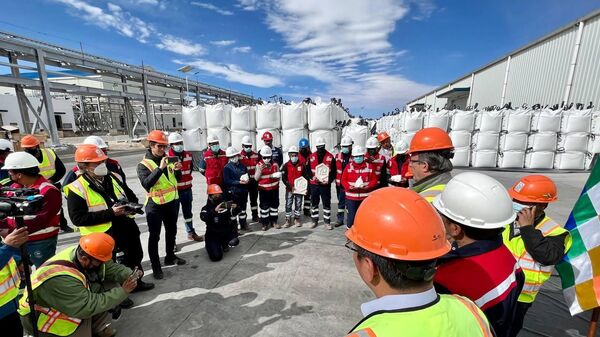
580	268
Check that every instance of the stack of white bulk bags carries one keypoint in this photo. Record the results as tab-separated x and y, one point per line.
243	123
194	140
438	119
328	135
545	125
461	125
410	123
486	138
321	122
462	121
294	119
573	140
194	123
268	118
218	121
358	133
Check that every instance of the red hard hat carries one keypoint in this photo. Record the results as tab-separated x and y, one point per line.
158	137
267	136
534	188
430	139
214	189
29	141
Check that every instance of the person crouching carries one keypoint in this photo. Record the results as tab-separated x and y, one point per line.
220	230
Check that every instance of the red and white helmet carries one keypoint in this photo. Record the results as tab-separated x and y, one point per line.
267	136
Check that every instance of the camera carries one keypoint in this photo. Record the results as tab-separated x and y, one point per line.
131	207
19	202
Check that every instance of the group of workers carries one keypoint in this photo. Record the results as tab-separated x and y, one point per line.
444	255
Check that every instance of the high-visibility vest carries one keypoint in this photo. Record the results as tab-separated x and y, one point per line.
47	166
535	273
94	201
165	189
267	182
185	181
9	282
451	316
430	193
50	320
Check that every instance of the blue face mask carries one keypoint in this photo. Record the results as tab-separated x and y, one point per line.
215	148
359	159
518	207
345	150
294	160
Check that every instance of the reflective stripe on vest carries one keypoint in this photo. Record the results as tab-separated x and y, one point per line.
47	167
356	195
9	282
498	290
536	274
165	189
430	193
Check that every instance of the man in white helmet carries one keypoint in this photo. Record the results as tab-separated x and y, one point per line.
250	159
267	175
341	160
397	166
6	148
320	189
236	179
475	209
377	160
213	161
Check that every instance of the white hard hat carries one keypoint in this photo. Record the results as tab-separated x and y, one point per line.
266	151
175	137
320	141
20	160
358	150
476	200
401	147
6	144
346	141
293	149
95	140
246	140
372	143
231	152
212	139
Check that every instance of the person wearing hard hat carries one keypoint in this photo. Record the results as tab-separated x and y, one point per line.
73	292
385	145
535	240
44	226
398	166
267	175
341	161
159	176
250	158
475	209
395	241
213	161
320	186
184	184
220	231
10	280
6	148
358	180
277	154
293	169
430	152
236	179
376	159
304	152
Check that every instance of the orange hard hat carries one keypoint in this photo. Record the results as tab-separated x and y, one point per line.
214	189
430	139
98	245
29	141
157	136
400	224
89	153
534	188
382	136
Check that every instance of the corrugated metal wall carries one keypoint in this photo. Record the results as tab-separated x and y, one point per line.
539	74
487	85
586	82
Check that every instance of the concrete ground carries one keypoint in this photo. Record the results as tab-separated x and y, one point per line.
293	281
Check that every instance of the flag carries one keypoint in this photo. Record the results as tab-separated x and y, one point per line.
580	268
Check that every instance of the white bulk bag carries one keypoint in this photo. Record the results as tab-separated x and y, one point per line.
358	133
546	120
463	121
460	138
517	121
513	141
292	137
218	115
486	141
236	139
268	116
542	141
328	135
573	142
461	158
594	144
243	118
484	158
570	160
194	140
407	137
413	122
489	121
397	121
193	117
224	136
276	138
439	119
576	121
596	122
511	159
321	117
294	116
539	160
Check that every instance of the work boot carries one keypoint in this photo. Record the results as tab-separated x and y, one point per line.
108	331
265	227
339	224
313	225
174	260
157	273
288	223
126	304
276	225
329	226
195	237
245	228
298	223
143	286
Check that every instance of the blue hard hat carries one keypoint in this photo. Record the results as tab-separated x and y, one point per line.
303	143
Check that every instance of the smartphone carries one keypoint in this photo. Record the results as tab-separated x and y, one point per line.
172	160
134	273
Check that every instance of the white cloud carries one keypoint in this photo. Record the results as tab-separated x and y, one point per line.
234	73
223	43
180	46
242	49
212	7
248	5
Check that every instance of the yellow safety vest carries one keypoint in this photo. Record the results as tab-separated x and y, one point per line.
452	316
430	193
535	273
47	166
9	282
94	200
165	189
50	320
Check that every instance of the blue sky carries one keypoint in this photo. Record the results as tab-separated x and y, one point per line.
374	54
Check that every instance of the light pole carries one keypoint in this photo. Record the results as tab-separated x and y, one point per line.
186	69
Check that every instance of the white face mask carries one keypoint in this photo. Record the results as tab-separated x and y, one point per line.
178	148
234	160
101	170
517	207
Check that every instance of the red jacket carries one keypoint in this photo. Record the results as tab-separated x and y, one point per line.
185	181
266	181
249	160
340	165
291	172
214	165
313	162
351	174
378	162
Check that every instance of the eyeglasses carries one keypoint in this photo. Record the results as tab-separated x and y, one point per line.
416	161
350	245
160	146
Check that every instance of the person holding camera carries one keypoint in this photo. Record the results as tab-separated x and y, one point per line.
159	176
97	204
220	230
6	148
45	225
75	289
10	258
